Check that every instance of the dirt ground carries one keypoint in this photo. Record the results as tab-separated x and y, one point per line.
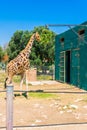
63	108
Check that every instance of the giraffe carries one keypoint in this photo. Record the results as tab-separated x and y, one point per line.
20	64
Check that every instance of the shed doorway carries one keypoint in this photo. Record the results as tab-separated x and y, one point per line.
67	66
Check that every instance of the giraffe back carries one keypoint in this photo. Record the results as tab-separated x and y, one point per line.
18	65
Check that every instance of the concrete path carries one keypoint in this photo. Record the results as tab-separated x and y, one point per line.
43	82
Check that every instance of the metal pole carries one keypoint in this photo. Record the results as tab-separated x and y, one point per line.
54	72
9	106
54	25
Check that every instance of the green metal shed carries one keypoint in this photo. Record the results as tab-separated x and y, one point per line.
71	57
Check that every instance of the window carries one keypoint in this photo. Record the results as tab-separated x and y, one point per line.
62	39
81	32
81	36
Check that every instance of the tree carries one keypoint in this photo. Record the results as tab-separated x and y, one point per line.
14	45
42	52
5	58
1	53
45	49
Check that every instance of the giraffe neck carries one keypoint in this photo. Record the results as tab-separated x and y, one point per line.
29	45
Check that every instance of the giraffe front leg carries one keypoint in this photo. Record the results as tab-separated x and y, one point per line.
27	83
8	80
21	83
27	88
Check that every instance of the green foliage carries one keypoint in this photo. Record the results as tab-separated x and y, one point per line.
1	54
42	52
17	43
45	49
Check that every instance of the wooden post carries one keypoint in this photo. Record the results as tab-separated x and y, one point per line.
9	106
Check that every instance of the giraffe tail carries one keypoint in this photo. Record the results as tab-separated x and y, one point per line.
5	83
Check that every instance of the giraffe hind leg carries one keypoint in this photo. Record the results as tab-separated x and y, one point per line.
8	80
5	83
21	84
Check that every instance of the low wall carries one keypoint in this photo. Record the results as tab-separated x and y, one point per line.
31	75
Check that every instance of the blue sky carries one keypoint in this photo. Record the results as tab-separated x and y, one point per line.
26	14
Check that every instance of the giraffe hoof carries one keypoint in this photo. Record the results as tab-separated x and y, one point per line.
25	95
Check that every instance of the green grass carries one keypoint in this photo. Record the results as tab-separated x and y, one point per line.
16	79
41	95
44	77
2	77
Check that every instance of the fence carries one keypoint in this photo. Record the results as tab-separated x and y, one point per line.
45	72
42	72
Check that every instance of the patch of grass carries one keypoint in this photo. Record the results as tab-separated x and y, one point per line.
42	95
16	79
44	77
2	77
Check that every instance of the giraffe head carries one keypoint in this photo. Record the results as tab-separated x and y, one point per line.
37	36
